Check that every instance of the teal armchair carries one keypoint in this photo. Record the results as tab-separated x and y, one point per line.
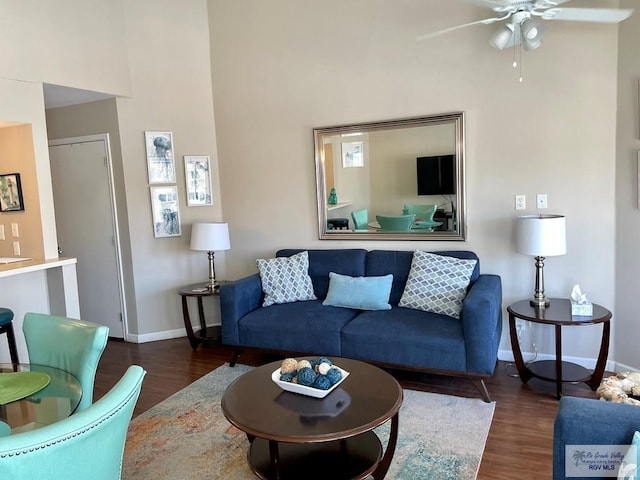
68	344
86	445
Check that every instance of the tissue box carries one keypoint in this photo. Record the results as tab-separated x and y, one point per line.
581	309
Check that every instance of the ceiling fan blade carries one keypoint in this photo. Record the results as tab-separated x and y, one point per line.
601	15
486	21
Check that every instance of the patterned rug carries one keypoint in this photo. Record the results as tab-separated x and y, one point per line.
187	437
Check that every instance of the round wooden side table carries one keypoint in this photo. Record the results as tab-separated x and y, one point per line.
198	291
558	314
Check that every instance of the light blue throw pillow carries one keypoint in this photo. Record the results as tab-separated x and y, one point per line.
363	293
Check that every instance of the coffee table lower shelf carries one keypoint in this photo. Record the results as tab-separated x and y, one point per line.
351	458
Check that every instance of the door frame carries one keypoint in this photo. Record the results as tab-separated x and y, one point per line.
104	138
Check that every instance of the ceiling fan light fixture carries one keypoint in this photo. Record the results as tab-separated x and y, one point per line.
501	38
532	32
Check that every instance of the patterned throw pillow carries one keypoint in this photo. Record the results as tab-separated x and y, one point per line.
285	279
437	283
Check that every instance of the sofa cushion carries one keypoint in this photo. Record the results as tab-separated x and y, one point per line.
437	283
363	293
285	280
406	337
307	327
347	261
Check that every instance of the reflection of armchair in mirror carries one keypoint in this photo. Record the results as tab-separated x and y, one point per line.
397	223
414	161
360	219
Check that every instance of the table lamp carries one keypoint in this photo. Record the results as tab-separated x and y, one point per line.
541	236
210	237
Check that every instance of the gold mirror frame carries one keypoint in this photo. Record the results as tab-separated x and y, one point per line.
427	135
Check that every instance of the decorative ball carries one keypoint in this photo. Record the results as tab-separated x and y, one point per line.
294	379
289	365
334	375
323	368
286	377
325	360
322	382
306	376
303	364
314	363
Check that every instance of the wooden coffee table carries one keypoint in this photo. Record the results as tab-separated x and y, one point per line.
293	436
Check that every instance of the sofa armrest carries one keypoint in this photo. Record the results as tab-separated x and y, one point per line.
482	323
238	298
583	421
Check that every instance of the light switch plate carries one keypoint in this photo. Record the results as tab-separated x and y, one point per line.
541	200
1	232
14	230
16	248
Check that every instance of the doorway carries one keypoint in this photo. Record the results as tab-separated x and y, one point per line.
87	227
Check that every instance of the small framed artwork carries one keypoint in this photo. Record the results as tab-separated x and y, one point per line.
160	162
197	176
352	154
164	207
11	193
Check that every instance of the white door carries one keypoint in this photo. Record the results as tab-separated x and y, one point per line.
86	225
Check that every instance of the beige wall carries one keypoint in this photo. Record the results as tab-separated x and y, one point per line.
67	42
283	67
16	156
171	83
627	206
156	54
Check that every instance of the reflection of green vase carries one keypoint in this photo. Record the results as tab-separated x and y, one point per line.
333	197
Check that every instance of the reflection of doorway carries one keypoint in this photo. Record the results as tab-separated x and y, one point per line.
86	225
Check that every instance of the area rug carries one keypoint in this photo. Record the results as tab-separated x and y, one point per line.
186	436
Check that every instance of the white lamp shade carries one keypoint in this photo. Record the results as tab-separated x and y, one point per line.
542	235
210	236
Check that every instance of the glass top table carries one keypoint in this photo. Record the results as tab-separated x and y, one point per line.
56	401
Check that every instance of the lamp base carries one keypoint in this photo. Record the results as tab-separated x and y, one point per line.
539	302
213	287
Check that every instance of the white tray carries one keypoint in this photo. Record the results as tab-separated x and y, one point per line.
303	389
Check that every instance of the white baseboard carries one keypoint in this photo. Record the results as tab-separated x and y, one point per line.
590	363
155	336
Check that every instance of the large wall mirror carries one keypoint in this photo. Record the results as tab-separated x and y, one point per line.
392	180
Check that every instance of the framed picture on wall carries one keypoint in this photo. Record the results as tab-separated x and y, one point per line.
160	162
197	176
11	193
352	154
164	208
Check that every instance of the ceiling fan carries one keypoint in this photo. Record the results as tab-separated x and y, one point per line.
522	20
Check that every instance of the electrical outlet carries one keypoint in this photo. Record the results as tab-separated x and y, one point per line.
520	202
16	248
541	200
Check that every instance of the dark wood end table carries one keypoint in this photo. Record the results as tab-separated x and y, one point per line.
204	334
293	436
558	314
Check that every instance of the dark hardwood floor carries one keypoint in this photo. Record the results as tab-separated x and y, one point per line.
521	435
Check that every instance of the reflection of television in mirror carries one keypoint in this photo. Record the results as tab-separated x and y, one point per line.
436	175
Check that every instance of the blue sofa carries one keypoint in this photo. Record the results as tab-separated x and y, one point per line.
401	337
583	421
